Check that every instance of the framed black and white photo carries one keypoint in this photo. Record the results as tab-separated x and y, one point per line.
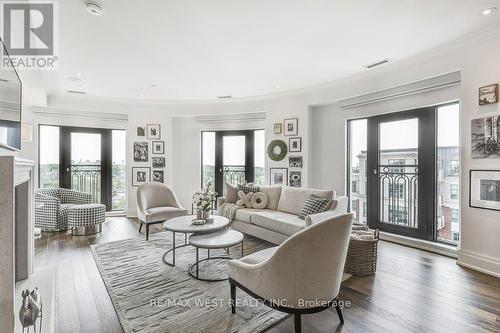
484	189
485	137
153	131
291	126
295	179
295	145
295	161
158	162
158	176
488	94
277	128
141	131
158	147
140	175
278	176
141	153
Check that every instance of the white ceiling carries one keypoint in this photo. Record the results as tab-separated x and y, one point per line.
207	48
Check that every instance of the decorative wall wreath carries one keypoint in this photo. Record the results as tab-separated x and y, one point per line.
277	150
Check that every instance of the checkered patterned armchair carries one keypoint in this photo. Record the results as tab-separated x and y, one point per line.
52	205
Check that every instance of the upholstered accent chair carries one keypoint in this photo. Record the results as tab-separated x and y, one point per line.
300	276
52	205
156	203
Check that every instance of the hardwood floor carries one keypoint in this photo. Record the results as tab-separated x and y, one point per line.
412	291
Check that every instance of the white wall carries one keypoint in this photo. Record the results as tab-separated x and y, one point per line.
322	127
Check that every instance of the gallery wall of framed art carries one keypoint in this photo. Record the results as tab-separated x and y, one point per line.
148	155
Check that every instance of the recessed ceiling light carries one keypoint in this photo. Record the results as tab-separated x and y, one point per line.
277	86
78	74
142	94
488	11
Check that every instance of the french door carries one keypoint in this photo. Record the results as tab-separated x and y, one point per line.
401	149
234	158
85	156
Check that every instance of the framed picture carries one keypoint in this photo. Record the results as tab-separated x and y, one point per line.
291	126
158	147
295	162
295	145
278	176
277	128
488	94
141	131
484	189
485	137
295	179
158	162
153	131
141	151
140	175
158	176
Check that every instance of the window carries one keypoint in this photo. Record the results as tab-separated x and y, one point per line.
354	209
49	156
397	190
259	157
447	170
454	191
354	185
364	209
119	171
357	130
454	168
396	162
398	216
208	159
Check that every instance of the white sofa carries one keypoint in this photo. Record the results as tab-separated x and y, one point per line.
279	220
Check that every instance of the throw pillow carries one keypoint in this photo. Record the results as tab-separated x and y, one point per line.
231	193
314	205
259	200
245	199
247	188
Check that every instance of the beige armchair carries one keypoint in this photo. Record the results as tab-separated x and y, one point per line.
156	203
300	276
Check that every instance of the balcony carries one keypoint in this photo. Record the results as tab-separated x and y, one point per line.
233	174
87	178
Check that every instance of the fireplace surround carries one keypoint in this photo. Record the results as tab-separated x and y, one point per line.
16	231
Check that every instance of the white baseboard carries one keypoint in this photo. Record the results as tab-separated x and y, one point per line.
434	247
479	262
132	213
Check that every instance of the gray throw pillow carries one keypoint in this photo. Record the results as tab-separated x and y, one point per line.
231	193
314	205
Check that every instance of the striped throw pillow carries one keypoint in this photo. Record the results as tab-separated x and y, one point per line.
314	205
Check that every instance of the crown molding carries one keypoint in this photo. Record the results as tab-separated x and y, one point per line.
71	113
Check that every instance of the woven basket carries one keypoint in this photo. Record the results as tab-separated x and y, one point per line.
362	255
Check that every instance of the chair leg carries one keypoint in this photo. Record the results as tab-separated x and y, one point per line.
147	231
140	226
233	298
297	322
339	312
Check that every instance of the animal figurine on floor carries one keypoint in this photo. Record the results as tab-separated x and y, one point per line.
31	308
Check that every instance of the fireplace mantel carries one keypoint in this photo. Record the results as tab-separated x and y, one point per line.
16	214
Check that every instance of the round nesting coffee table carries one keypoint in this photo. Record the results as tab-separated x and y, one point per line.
184	224
223	239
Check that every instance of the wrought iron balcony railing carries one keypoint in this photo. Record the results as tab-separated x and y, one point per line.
87	178
233	174
399	187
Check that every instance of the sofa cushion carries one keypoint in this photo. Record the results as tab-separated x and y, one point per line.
314	205
247	188
284	223
273	196
245	214
231	193
292	199
259	200
163	213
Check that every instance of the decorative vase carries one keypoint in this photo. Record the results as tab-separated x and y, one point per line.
202	214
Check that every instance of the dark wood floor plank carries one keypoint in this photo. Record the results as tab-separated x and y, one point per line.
413	290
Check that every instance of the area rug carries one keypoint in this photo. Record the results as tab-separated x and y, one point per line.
150	296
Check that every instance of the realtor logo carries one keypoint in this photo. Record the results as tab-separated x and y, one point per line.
29	34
